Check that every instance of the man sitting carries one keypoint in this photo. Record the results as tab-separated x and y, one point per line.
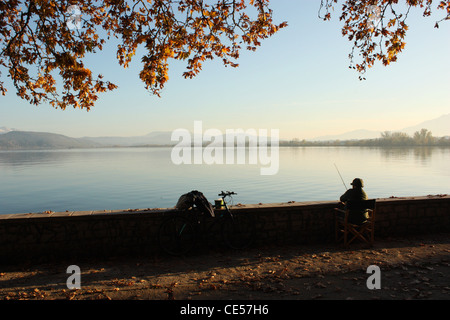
355	194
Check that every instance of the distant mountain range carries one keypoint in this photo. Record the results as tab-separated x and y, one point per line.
439	127
351	135
17	140
13	139
5	130
153	138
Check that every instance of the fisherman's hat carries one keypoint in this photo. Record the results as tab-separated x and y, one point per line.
357	182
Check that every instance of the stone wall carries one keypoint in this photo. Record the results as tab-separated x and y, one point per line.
41	237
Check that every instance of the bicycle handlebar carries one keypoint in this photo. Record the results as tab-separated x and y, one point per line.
226	193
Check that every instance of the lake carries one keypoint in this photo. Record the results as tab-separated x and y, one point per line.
122	178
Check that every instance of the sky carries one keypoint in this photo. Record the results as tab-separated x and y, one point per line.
298	82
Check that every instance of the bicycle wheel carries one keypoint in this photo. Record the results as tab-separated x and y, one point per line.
238	231
177	235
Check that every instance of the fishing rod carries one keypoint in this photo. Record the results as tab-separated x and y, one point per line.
341	177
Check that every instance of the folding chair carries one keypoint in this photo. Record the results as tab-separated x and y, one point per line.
349	232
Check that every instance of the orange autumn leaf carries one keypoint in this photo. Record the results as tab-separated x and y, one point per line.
378	28
51	39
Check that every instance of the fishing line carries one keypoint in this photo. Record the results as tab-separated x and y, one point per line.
341	177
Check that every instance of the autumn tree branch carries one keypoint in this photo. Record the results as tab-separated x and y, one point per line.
38	43
386	40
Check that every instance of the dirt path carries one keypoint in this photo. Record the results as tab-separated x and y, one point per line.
412	268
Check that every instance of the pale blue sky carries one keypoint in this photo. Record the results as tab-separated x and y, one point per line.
298	82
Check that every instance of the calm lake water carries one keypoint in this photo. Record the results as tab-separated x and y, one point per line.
122	178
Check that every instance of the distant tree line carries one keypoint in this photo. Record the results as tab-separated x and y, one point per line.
387	139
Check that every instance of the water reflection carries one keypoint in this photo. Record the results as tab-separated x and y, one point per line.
120	178
27	158
422	155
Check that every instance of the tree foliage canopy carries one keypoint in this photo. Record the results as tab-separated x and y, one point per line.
36	43
378	28
44	57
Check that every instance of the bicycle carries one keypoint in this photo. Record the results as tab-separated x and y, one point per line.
179	234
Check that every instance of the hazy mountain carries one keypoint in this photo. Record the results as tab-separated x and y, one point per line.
16	140
351	135
153	138
439	127
5	130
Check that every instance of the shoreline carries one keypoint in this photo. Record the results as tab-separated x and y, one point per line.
331	144
69	213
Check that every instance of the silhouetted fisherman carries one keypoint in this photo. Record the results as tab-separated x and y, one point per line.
355	194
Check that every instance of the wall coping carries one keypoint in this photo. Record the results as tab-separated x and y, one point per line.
259	206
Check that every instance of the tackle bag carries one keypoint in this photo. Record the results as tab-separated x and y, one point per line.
195	199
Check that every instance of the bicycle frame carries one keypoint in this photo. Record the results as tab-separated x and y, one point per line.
223	196
179	234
